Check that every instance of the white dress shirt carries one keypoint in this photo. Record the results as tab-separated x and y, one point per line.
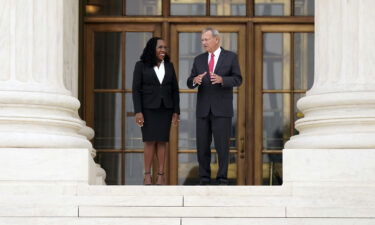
160	72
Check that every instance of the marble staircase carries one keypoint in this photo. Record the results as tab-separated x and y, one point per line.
50	204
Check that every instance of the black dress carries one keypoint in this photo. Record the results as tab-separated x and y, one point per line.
156	101
157	124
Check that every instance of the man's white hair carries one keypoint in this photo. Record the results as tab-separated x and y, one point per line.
214	32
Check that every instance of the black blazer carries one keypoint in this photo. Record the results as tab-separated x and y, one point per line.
148	93
217	97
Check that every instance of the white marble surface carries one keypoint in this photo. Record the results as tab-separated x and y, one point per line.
88	221
38	210
331	160
146	201
5	44
37	188
172	212
344	37
227	201
70	42
40	40
303	197
339	110
330	212
35	45
326	204
278	221
38	71
184	221
48	165
135	190
329	165
308	198
73	200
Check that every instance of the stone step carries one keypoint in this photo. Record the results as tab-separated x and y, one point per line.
185	190
38	210
182	203
277	221
231	191
185	221
38	188
189	201
287	201
331	212
77	211
136	190
88	221
92	200
181	212
228	212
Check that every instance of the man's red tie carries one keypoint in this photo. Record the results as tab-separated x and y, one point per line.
211	64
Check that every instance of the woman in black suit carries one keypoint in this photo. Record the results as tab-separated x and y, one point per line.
156	103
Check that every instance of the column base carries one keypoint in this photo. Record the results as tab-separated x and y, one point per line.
329	166
46	165
335	120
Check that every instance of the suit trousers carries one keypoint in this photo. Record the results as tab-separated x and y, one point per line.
220	129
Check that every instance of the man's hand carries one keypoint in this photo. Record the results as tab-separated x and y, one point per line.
198	79
139	120
216	79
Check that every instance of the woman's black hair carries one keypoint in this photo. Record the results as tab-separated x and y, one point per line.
149	52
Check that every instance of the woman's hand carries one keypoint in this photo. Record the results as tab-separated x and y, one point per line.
175	119
139	120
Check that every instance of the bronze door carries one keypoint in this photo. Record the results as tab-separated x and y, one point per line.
111	53
284	71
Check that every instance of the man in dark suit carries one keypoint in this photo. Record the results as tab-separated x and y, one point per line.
215	73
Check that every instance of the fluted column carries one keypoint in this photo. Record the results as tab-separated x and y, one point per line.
38	57
42	138
340	107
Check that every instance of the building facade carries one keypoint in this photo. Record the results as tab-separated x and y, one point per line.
48	174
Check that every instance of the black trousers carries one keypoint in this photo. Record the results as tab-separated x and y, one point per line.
219	128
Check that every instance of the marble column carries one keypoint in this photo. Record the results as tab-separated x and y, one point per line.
38	68
336	139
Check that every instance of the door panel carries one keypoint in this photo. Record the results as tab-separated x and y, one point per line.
284	62
111	53
107	114
107	60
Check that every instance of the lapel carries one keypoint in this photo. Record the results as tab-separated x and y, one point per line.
166	69
220	60
205	61
153	74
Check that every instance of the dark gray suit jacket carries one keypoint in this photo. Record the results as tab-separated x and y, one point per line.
217	97
149	93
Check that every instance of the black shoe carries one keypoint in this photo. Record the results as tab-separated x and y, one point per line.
147	180
204	181
160	175
222	181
